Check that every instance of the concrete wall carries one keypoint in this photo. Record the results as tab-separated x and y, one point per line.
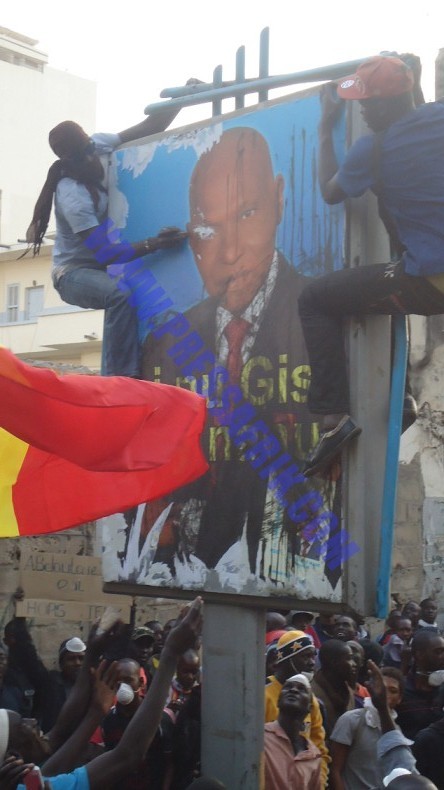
49	634
419	541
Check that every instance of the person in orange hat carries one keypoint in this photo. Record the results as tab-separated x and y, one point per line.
402	163
296	654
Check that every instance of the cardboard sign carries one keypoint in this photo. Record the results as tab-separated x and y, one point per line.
50	610
52	580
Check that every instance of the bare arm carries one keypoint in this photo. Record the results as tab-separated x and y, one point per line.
130	751
78	701
379	697
153	124
122	252
328	164
68	756
339	754
150	125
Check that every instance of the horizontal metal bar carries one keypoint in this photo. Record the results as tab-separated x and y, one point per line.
187	95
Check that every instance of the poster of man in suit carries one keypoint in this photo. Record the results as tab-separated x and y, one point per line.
220	316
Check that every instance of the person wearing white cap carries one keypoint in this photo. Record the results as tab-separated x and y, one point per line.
113	767
295	654
290	758
60	683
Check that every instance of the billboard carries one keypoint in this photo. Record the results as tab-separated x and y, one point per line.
219	315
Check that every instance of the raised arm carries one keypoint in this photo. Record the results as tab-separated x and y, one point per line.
130	751
108	252
153	123
79	699
69	755
379	697
328	164
150	125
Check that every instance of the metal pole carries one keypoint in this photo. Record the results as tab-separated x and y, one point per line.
240	76
264	51
185	96
233	694
391	466
217	82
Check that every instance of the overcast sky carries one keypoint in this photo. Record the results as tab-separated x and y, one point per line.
135	49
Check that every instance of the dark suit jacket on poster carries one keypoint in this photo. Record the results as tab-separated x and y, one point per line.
231	495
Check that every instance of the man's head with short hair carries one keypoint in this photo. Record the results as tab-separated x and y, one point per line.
393	618
337	661
188	668
274	621
429	610
403	628
299	619
412	610
327	620
128	671
428	651
345	628
358	653
394	685
142	644
236	205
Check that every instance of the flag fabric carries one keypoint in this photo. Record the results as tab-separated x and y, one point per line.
76	448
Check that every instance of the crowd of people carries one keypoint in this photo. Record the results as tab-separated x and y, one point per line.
342	710
366	709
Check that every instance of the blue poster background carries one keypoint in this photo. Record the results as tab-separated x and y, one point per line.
182	541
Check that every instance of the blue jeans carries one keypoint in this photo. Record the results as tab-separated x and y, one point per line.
378	289
94	288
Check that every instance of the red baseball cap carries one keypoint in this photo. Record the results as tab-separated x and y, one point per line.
381	76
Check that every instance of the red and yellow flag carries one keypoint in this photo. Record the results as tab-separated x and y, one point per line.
76	448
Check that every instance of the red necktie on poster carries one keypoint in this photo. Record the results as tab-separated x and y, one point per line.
235	332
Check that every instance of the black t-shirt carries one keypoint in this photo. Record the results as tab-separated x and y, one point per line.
429	752
151	774
418	708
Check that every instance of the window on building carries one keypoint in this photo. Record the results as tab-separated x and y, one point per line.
12	303
33	302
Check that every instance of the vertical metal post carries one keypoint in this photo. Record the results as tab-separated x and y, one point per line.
370	364
233	694
240	75
264	52
217	83
391	465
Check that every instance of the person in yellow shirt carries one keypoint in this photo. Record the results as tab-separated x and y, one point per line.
296	654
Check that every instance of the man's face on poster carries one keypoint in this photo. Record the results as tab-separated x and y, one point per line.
235	205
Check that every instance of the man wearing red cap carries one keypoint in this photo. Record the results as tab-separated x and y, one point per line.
403	164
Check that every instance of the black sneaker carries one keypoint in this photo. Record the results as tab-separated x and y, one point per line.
329	446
